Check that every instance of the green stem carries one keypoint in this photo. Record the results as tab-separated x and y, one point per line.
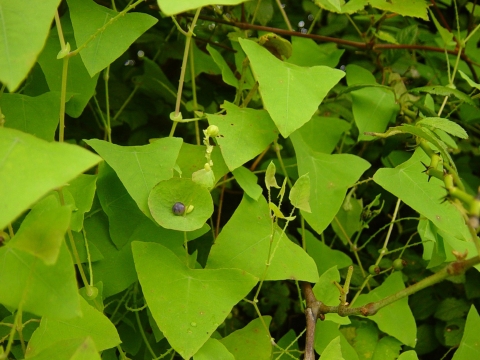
276	148
139	323
106	76
194	93
284	14
188	35
389	233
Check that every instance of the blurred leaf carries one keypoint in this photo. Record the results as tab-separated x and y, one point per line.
227	74
451	308
26	176
213	349
24	30
388	348
349	7
42	231
325	257
187	304
443	91
325	332
414	8
43	290
347	223
469	346
71	349
323	133
443	124
91	323
34	115
178	6
254	334
82	189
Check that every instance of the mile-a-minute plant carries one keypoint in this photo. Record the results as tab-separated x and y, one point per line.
170	262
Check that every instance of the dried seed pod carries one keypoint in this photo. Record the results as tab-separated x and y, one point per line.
178	208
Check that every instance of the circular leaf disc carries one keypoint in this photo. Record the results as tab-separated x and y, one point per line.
166	193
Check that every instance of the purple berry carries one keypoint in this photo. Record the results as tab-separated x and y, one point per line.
178	208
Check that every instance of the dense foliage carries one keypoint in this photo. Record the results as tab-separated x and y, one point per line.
251	180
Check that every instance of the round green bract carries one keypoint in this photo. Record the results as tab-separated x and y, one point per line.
166	193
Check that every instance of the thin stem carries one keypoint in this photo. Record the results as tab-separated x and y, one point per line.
106	76
126	102
139	323
315	19
188	35
384	249
284	14
276	148
194	93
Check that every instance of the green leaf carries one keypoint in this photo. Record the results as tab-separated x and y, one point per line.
407	182
192	158
325	332
326	291
257	338
44	290
187	304
300	193
289	343
92	323
227	74
248	182
42	231
117	270
123	213
395	319
168	192
408	355
307	52
469	346
333	351
244	133
178	6
330	177
346	223
349	7
291	94
323	256
323	133
138	167
245	240
82	189
387	348
108	44
448	126
26	176
24	30
154	82
373	109
213	349
446	35
71	349
270	180
34	115
451	308
79	82
414	8
363	334
444	91
468	80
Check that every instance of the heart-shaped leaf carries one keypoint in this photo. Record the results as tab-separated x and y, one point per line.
180	190
245	240
187	304
291	93
138	167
